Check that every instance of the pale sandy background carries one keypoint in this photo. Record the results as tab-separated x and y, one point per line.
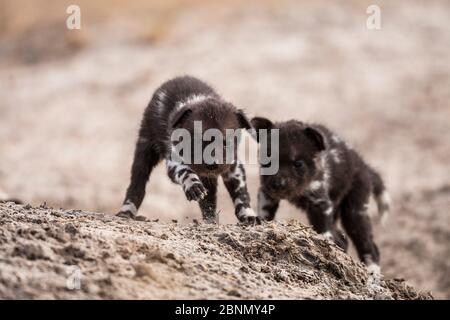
71	101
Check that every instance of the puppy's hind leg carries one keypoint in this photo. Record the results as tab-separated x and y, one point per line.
146	157
235	182
382	197
356	222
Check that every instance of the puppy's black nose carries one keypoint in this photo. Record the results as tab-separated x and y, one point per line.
213	166
279	184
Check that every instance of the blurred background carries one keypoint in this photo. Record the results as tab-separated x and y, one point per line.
71	101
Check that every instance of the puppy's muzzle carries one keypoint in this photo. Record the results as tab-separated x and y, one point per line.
278	184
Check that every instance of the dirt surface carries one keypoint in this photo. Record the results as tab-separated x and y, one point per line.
123	259
71	102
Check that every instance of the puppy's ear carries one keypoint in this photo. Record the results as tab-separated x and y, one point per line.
179	117
316	137
259	123
244	123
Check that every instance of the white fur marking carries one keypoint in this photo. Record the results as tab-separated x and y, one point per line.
178	167
161	97
335	155
315	185
190	181
348	145
364	210
327	235
328	211
238	175
366	206
383	203
335	138
195	98
374	269
246	212
326	170
181	178
374	279
129	206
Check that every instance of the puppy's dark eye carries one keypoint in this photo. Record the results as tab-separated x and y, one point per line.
299	164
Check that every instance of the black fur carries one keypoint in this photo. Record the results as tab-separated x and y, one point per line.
177	104
321	174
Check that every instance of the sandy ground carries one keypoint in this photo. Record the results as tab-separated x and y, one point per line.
121	259
70	109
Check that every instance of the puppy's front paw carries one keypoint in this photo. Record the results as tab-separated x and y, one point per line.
125	215
248	217
195	191
210	220
251	221
130	215
128	210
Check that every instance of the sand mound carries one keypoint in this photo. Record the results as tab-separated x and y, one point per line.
70	254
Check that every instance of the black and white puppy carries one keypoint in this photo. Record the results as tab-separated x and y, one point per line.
320	174
179	104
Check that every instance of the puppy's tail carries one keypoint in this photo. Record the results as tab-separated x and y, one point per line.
382	197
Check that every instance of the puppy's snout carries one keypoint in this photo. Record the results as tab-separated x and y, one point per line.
279	184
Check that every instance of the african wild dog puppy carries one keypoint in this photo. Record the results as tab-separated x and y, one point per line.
321	174
177	104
